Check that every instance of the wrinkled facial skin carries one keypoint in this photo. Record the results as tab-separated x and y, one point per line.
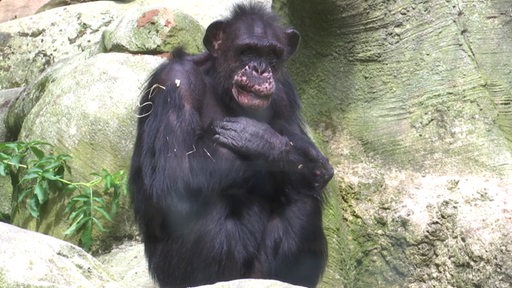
253	87
258	49
249	54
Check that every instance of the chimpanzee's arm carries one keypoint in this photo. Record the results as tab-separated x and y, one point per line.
157	177
294	153
173	169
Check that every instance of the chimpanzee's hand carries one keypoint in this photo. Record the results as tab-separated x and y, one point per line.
251	137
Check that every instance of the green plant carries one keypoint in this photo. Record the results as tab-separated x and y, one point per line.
35	174
85	208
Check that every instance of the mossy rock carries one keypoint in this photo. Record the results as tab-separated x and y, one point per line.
154	31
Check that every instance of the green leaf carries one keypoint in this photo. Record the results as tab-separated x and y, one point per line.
23	193
16	146
87	191
71	206
86	237
60	171
63	157
82	210
4	156
81	198
50	175
3	172
109	181
74	227
15	161
38	152
99	225
52	164
99	200
70	188
81	222
41	192
33	207
103	212
31	174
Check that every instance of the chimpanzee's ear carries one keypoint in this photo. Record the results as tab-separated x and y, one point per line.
293	38
213	36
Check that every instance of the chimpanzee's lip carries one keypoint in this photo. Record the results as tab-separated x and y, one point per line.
250	100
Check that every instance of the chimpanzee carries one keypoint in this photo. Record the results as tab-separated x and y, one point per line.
225	182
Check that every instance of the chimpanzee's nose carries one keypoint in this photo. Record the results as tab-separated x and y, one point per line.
258	68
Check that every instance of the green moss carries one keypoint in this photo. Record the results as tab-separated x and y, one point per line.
185	35
413	93
157	36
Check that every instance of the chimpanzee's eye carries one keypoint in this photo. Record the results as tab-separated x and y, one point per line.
274	56
245	51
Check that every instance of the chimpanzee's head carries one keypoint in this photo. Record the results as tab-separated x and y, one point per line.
250	49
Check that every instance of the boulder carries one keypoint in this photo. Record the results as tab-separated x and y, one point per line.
86	108
413	101
30	259
29	45
154	31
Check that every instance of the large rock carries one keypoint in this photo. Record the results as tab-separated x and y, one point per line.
251	283
154	31
414	100
33	260
87	108
128	263
30	45
29	259
82	100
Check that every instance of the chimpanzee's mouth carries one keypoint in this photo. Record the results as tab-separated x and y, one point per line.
249	99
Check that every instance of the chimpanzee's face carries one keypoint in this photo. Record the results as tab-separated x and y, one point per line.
250	53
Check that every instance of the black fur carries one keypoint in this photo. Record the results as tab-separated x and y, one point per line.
221	191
